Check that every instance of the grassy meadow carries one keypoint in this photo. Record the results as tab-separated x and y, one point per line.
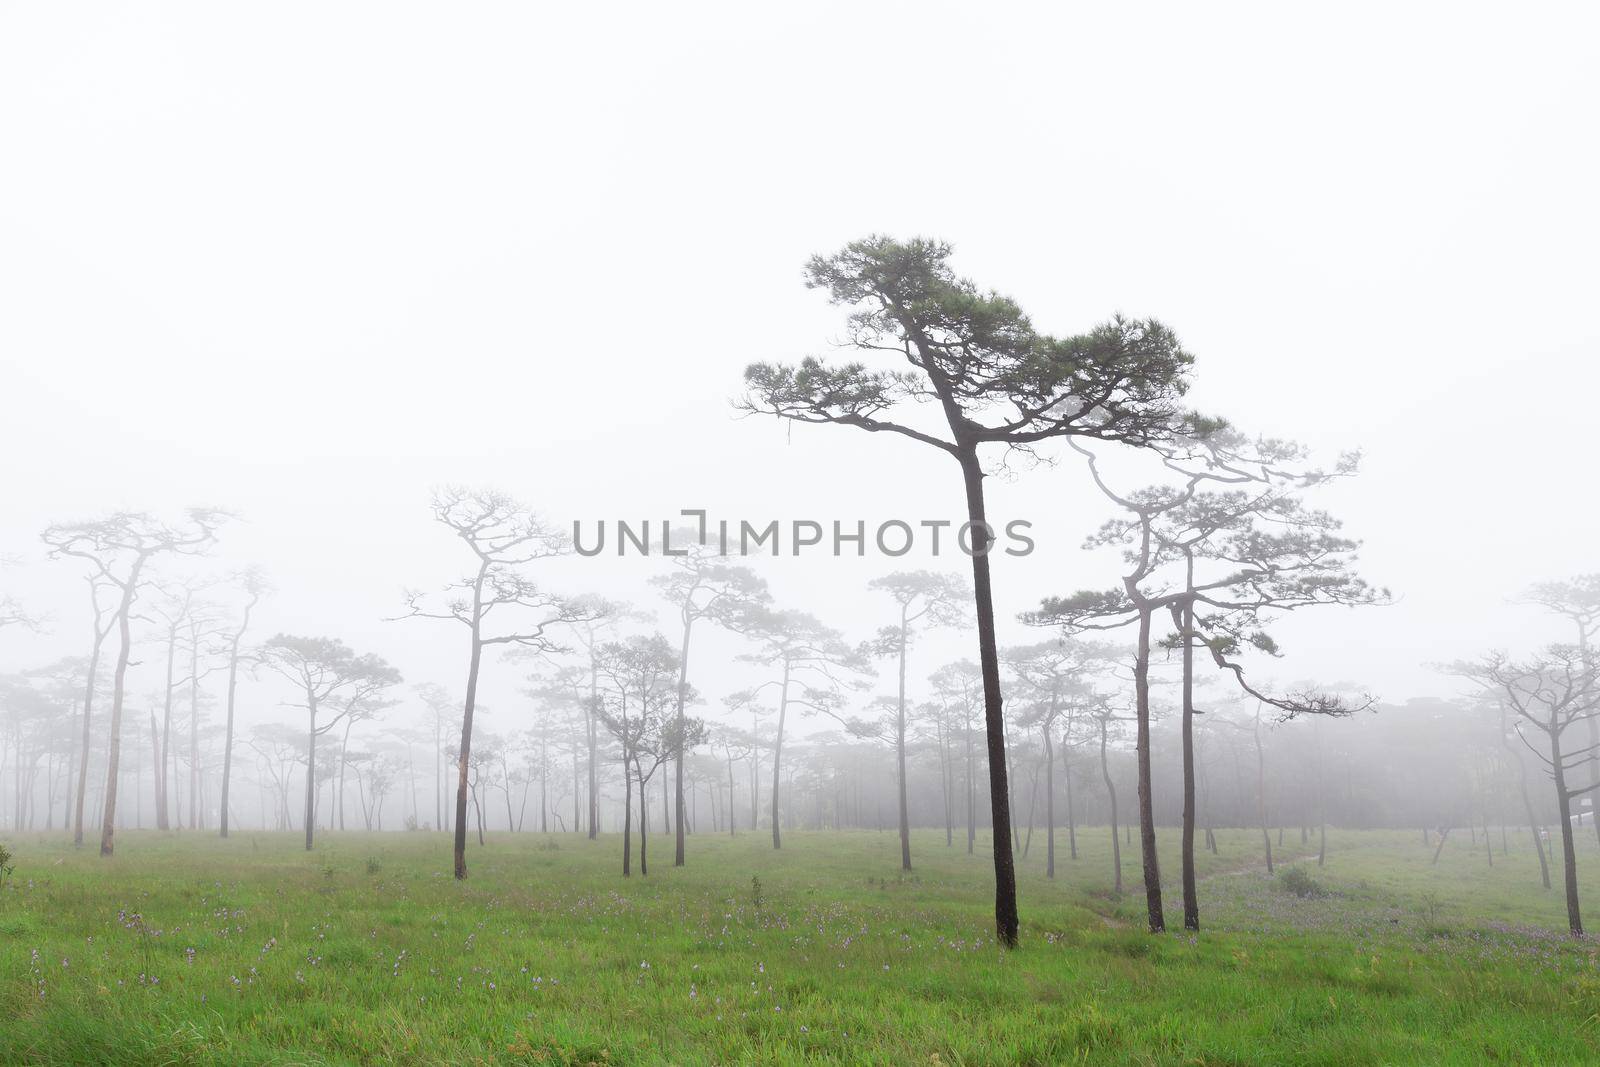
187	949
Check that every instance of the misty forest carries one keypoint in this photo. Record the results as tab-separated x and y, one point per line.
905	681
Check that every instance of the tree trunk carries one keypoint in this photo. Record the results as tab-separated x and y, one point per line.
755	780
1527	803
946	781
593	728
118	691
644	818
1261	791
1443	834
1594	725
227	742
1147	821
900	750
88	707
1533	828
344	763
627	812
1191	897
1005	876
163	778
311	768
1049	803
972	822
1066	781
1569	854
466	724
677	769
194	725
1111	795
1322	802
777	756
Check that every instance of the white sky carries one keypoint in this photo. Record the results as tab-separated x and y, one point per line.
307	260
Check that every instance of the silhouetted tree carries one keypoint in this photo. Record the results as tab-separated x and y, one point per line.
502	535
806	653
704	585
1549	693
959	688
594	623
330	678
922	599
995	380
639	673
118	549
1269	553
1577	600
254	587
104	620
1053	675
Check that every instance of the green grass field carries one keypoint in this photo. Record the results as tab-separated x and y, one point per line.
187	949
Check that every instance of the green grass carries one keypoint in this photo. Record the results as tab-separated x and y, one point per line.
366	951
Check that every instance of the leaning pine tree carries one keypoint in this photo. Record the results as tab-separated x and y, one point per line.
996	381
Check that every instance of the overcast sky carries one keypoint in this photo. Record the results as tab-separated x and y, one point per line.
305	261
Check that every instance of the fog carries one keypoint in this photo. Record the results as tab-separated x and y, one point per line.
349	273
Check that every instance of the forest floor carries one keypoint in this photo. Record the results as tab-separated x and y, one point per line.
188	949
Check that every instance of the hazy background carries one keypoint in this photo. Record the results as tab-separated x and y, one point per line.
306	261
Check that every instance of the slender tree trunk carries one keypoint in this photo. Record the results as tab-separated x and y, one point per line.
344	763
311	767
972	820
1005	875
163	776
677	769
900	749
466	724
1322	802
505	776
88	707
594	743
1444	833
1533	828
1261	791
947	783
227	742
118	691
1033	806
1191	897
644	818
1147	821
1066	781
755	778
1049	802
1594	723
194	725
1111	795
1569	854
777	756
627	812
